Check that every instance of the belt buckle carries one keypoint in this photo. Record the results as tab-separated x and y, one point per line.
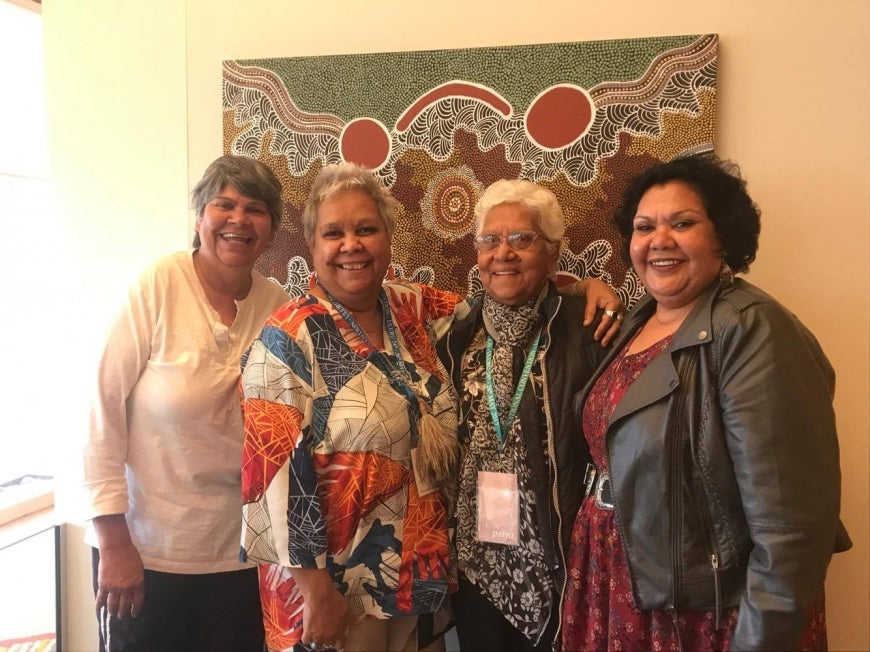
603	481
589	479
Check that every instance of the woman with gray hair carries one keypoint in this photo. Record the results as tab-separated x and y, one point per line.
517	355
162	478
349	427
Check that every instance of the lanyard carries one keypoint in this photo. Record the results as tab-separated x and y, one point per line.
404	376
518	392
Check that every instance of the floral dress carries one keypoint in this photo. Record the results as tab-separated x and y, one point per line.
599	611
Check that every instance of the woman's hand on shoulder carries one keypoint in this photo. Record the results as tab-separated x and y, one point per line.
600	296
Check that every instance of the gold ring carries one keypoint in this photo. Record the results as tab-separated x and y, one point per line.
620	317
611	314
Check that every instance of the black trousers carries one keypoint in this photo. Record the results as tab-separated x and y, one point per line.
482	628
214	612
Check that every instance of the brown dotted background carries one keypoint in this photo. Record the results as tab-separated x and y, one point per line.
655	99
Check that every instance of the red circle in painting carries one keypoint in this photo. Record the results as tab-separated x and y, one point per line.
559	116
365	141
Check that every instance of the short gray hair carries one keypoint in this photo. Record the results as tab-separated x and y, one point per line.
249	176
541	202
342	177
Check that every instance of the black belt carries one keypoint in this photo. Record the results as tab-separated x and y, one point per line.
598	484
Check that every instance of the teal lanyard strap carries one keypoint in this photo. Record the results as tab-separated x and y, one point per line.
405	375
518	392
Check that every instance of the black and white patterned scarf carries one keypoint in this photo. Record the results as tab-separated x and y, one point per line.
512	329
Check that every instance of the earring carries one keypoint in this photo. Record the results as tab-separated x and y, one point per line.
726	274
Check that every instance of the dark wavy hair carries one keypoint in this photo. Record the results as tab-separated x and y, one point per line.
722	190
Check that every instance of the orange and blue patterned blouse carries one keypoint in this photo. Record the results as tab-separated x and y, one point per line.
327	479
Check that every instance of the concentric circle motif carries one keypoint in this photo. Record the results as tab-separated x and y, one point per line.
448	204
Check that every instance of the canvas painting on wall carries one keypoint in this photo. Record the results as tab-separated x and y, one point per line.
439	126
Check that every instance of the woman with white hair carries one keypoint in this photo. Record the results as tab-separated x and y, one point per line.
517	355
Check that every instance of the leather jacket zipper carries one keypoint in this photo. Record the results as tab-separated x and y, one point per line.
707	526
676	521
699	495
714	562
675	451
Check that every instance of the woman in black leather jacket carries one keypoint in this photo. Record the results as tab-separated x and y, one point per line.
712	507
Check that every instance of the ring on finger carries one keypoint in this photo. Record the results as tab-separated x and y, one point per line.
611	313
620	316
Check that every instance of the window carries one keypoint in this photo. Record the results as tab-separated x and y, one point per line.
25	462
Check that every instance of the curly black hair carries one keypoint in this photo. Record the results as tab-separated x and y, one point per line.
722	190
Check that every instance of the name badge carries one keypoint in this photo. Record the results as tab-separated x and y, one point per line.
498	508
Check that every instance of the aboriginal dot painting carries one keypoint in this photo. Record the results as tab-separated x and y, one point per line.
439	126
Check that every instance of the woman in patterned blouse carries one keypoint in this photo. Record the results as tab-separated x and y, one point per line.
351	541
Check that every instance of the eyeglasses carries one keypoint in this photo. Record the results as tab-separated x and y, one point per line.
517	240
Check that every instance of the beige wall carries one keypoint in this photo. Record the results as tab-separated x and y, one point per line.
134	106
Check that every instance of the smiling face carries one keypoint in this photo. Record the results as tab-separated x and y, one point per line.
233	229
515	277
674	248
351	249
